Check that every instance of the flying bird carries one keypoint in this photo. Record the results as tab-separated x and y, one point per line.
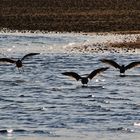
122	68
18	62
85	80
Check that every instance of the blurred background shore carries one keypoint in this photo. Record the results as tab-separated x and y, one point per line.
71	15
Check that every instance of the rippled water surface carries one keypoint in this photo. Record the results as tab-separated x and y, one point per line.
38	101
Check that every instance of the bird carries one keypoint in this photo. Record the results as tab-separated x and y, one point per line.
85	79
122	68
18	62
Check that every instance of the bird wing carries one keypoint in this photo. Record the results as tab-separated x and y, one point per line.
131	65
27	55
97	71
72	74
111	62
7	60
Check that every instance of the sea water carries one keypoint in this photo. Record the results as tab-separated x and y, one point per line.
38	102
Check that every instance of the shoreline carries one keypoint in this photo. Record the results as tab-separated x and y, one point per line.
109	41
7	30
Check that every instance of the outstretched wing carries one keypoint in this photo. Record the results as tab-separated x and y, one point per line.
27	55
131	65
7	60
72	74
97	71
110	62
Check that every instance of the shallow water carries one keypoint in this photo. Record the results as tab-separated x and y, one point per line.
39	102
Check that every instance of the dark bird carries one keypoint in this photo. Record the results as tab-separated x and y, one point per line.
84	80
122	68
18	62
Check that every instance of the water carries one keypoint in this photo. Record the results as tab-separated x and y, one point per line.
38	102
